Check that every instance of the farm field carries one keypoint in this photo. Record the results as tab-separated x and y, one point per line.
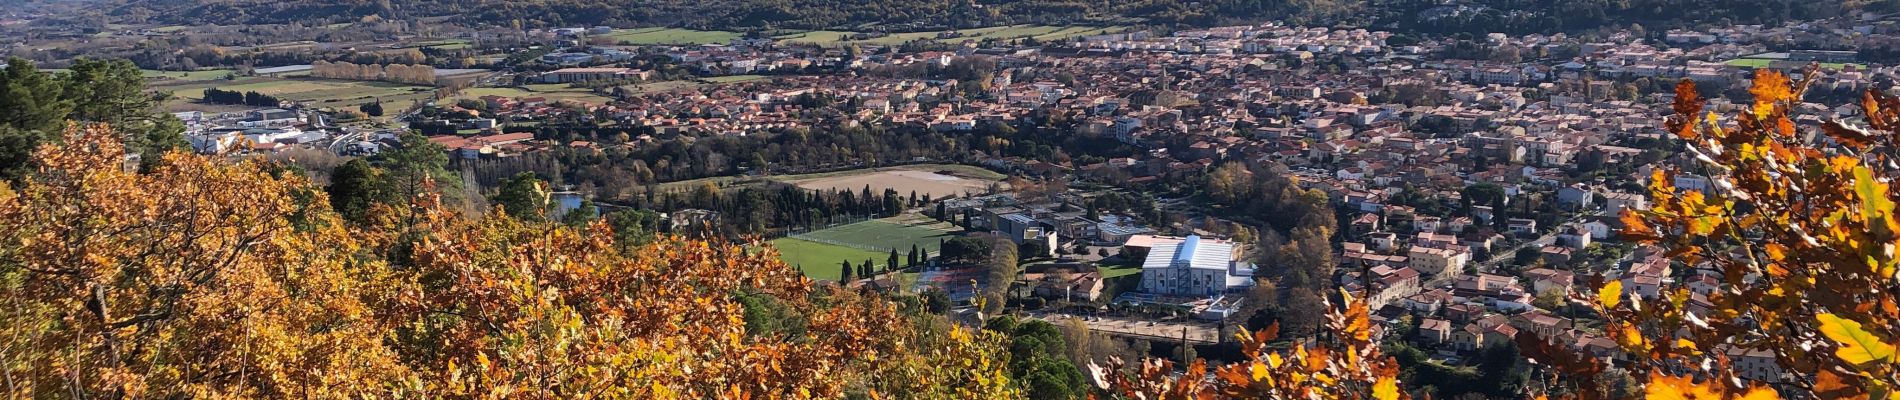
317	92
1040	32
924	179
551	92
734	78
820	253
672	36
1763	63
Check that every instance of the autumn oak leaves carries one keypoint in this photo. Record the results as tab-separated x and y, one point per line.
1801	238
209	278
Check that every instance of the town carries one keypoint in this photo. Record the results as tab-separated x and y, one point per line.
1164	188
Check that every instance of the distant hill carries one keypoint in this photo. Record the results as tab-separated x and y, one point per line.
1475	16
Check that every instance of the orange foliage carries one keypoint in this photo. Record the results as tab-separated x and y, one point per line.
215	279
1801	239
1351	368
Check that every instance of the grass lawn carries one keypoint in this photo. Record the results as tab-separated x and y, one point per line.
550	91
733	78
1117	271
316	92
821	253
821	261
204	75
672	36
445	44
1040	32
884	235
1763	63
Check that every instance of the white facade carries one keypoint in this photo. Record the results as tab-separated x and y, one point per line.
1194	267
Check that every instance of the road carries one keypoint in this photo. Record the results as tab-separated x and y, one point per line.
1196	333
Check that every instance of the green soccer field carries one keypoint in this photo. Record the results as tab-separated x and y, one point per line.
820	253
821	261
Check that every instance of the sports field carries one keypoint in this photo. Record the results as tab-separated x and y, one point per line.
672	36
316	92
939	181
820	253
1040	32
551	92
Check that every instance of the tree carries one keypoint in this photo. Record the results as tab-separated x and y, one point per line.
1797	237
225	278
892	263
1032	249
419	167
524	197
354	189
581	215
633	227
1346	366
113	92
1039	356
965	250
32	110
372	109
844	277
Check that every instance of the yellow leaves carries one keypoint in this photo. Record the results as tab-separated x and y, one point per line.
1857	346
1260	372
1770	87
1387	388
1669	387
1610	294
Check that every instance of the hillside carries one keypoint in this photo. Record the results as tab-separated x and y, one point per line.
1476	16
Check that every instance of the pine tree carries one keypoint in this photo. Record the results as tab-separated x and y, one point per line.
845	277
913	256
891	265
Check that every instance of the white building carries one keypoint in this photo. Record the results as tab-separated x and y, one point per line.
1194	266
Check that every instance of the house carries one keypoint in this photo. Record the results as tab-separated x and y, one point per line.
1555	255
1436	261
1391	284
1546	280
1521	226
1194	266
1602	228
1576	197
1085	286
1615	203
1434	331
1574	236
1542	324
1755	365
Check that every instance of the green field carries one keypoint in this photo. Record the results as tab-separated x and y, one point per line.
445	44
733	78
672	36
821	261
315	92
820	253
204	75
1763	62
550	91
1117	271
1040	32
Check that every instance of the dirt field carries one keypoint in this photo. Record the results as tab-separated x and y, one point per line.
923	180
